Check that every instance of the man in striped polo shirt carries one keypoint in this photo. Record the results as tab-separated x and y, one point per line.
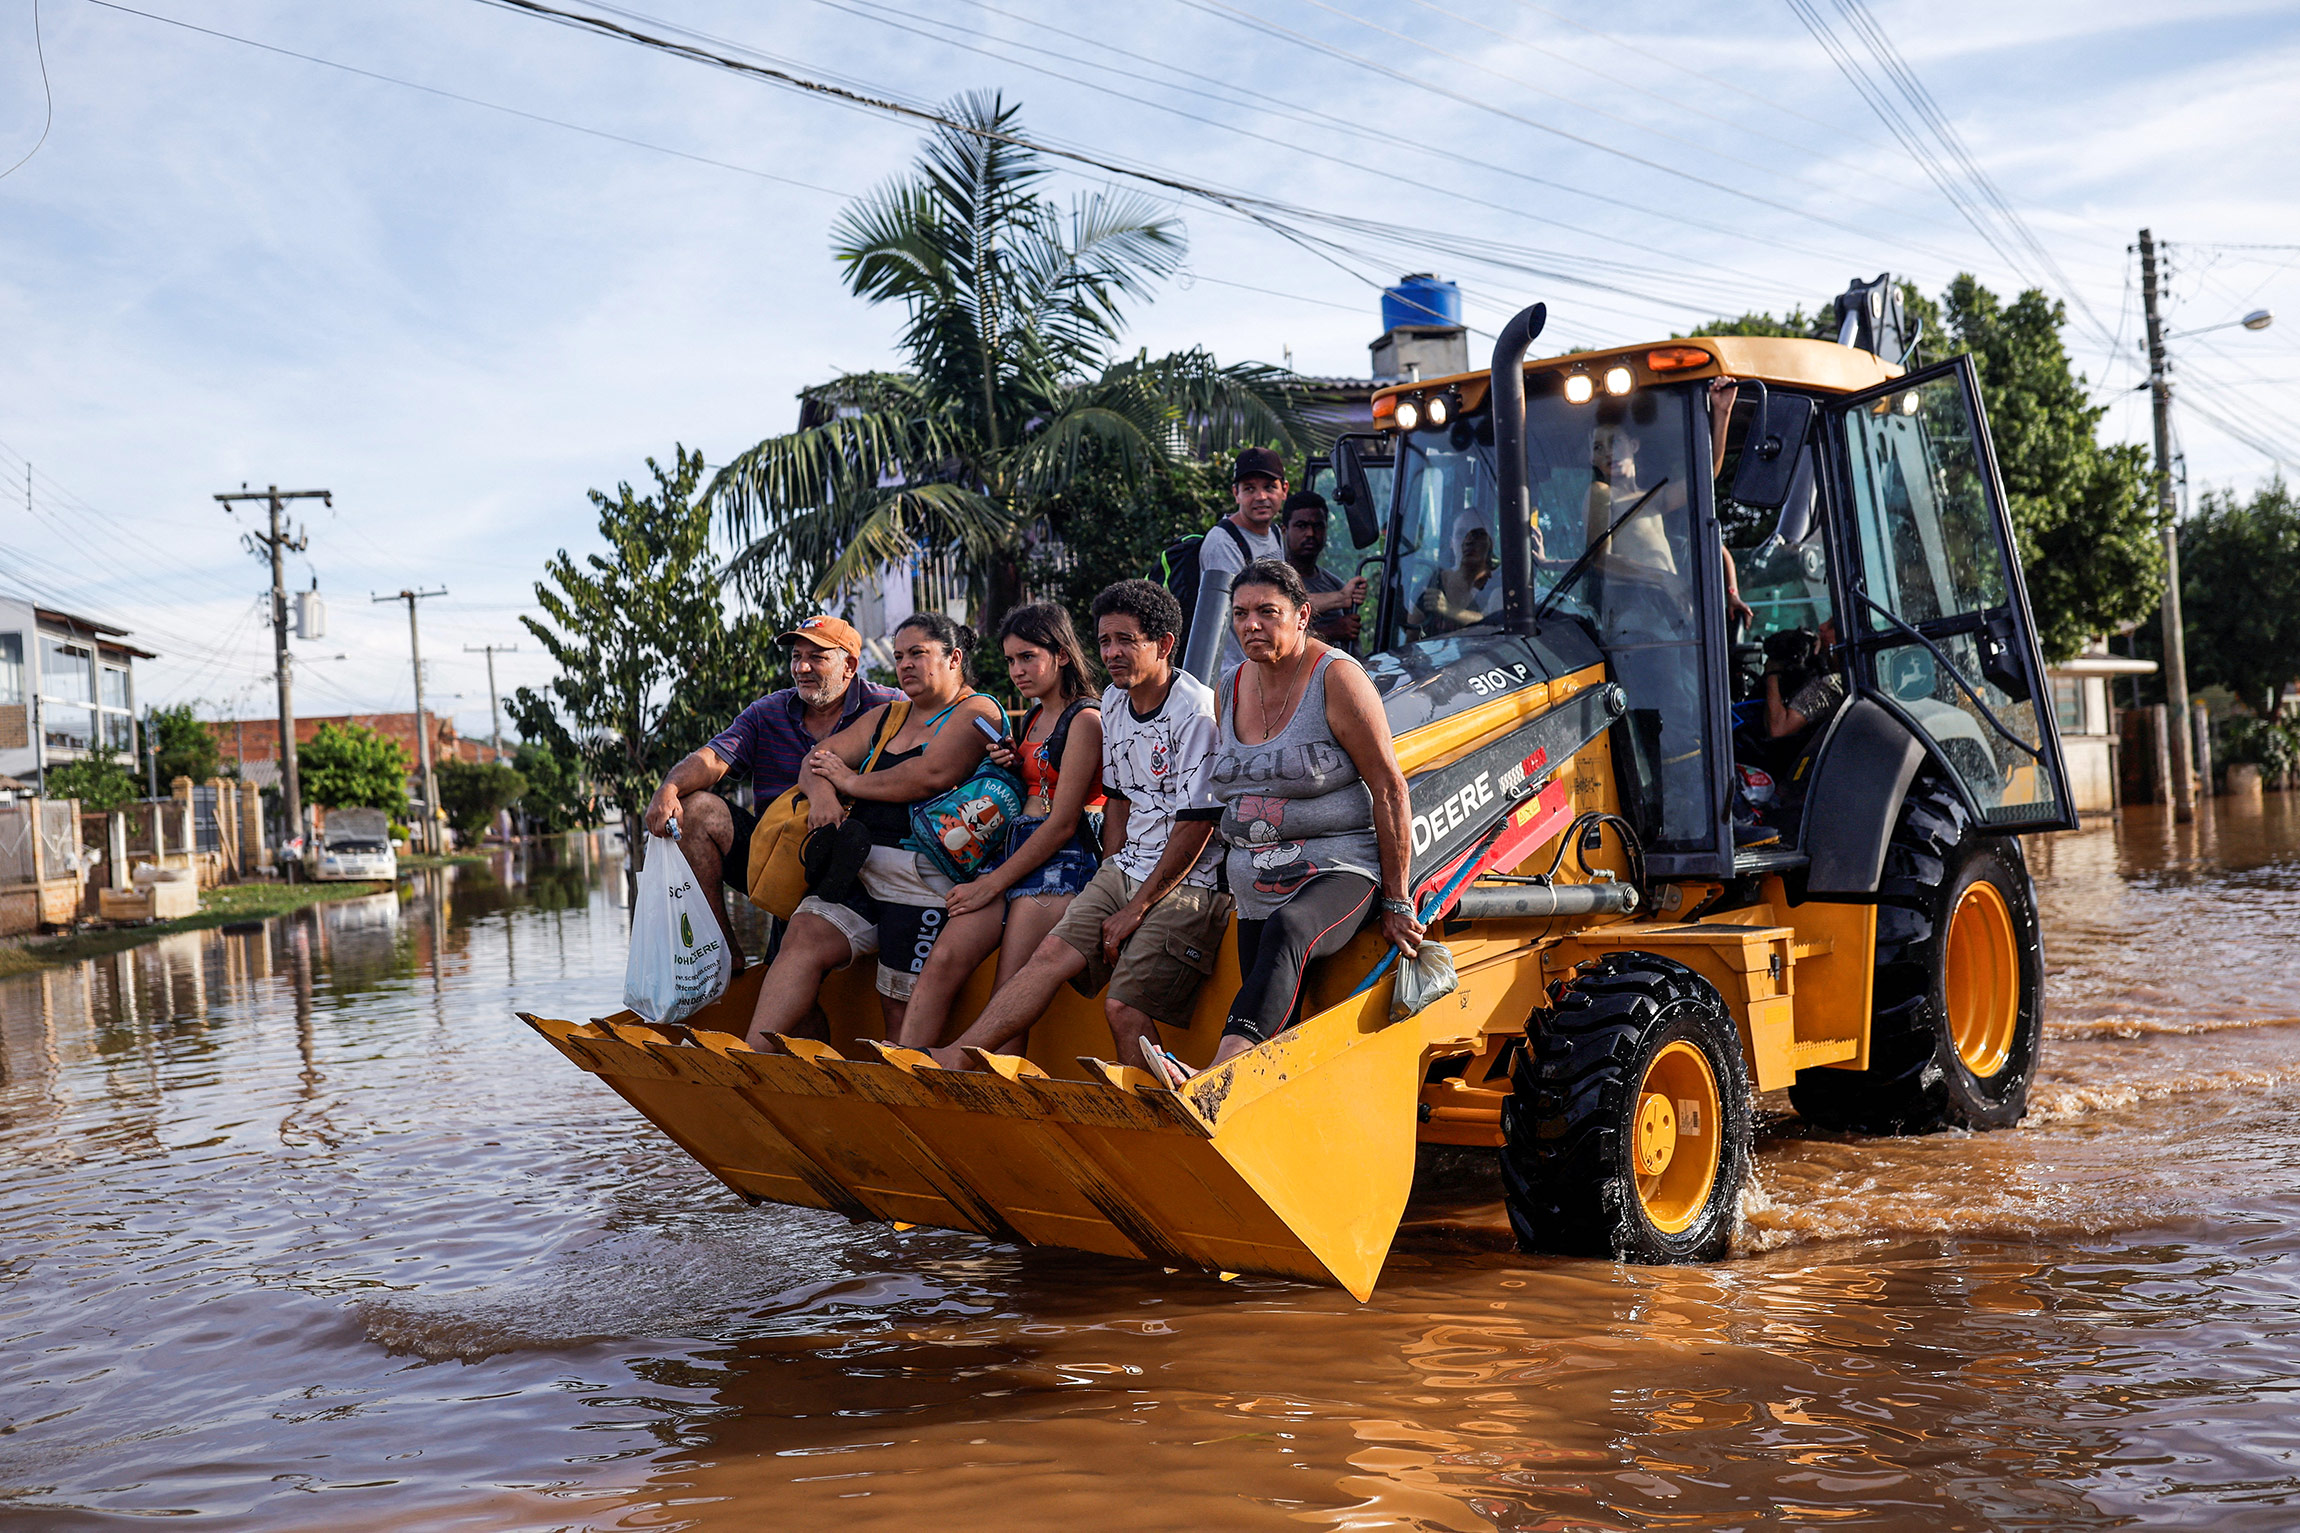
769	739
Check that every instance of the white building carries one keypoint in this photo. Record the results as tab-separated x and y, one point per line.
67	686
2085	705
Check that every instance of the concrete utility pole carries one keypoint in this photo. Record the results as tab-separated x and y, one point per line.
2183	788
494	703
278	541
422	724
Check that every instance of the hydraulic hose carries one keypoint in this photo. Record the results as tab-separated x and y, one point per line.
1516	509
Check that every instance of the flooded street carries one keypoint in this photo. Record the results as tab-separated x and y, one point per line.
302	1229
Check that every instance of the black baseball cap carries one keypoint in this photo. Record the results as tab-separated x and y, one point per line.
1258	460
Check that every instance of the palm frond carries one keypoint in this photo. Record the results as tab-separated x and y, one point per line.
805	469
1224	408
864	531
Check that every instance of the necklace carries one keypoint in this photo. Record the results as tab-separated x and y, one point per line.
1262	701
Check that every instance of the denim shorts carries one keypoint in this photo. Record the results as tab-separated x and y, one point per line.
1064	873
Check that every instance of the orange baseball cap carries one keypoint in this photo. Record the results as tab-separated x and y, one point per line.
831	632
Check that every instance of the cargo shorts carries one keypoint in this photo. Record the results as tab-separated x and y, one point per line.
1169	958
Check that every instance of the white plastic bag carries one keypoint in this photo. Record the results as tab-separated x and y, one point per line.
1426	977
679	960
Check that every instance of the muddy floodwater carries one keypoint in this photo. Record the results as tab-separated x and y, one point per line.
299	1229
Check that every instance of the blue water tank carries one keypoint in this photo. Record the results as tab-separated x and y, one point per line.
1421	299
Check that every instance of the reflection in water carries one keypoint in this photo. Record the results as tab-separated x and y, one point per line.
301	1229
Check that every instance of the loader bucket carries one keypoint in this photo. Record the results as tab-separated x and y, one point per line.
1294	1160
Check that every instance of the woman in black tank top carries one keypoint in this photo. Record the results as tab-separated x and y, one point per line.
918	755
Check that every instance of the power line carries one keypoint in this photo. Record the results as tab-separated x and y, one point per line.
491	106
48	119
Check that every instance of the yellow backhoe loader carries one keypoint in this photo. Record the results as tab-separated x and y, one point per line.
1657	907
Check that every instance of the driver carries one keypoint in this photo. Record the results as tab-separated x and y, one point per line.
1812	704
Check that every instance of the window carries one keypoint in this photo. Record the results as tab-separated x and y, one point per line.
67	729
115	681
11	668
2068	704
64	672
120	733
1612	501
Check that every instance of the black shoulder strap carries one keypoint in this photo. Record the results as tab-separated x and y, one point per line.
1244	548
1058	740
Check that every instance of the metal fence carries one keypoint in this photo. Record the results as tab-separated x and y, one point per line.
15	843
59	839
207	829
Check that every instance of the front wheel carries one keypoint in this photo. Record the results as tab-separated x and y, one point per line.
1958	1018
1628	1125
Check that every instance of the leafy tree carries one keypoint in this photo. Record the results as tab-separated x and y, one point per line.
2084	515
1108	529
99	780
1013	396
187	749
349	766
650	663
2240	593
557	799
471	792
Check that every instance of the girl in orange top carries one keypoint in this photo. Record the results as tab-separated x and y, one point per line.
1052	850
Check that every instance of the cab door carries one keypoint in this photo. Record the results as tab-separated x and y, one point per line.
1936	613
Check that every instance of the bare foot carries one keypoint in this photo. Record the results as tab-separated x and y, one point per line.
949	1058
1232	1046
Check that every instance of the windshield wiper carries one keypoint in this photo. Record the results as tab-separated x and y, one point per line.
1573	573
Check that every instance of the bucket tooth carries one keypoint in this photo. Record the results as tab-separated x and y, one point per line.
815	1096
700	1098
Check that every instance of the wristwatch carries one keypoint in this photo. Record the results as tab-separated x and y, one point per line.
1398	908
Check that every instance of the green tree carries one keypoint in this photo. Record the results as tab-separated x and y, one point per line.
2240	593
187	748
556	799
2083	514
349	766
471	792
99	780
1013	396
1108	528
651	664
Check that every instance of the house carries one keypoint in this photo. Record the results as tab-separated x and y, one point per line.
2084	706
67	688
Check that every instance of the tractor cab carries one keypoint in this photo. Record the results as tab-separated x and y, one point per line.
1861	511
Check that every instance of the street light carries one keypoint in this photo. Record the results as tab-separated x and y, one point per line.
2258	319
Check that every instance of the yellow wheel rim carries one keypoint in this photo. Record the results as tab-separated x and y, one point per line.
1983	980
1677	1137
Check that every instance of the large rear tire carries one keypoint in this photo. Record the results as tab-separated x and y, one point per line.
1628	1124
1958	1017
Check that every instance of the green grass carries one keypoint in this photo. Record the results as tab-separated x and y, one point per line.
452	859
218	906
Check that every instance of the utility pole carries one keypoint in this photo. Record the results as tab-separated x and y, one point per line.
494	705
2183	788
422	723
278	541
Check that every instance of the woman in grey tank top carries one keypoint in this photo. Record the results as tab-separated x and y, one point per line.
1313	807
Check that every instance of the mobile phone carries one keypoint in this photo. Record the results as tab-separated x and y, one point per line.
989	730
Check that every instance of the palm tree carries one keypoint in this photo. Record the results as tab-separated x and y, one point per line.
1013	386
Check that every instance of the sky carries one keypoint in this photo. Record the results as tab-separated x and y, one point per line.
476	263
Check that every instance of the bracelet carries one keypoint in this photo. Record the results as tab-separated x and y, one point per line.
1398	908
